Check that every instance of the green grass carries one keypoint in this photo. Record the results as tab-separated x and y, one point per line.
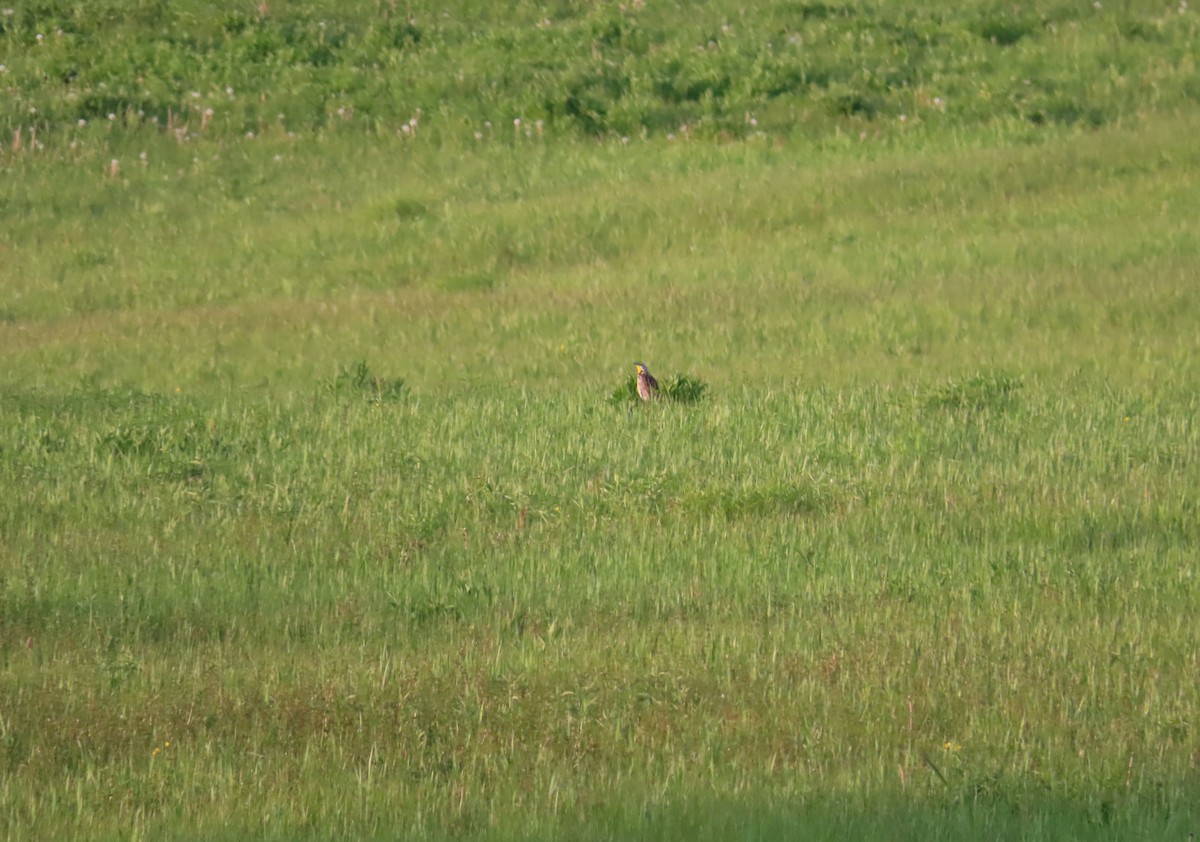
321	517
362	617
712	68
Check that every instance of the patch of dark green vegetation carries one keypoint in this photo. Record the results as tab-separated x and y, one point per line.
593	69
357	380
982	391
679	388
1005	30
760	502
166	439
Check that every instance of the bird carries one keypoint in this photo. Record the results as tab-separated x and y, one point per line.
647	386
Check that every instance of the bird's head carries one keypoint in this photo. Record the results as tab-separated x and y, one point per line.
641	368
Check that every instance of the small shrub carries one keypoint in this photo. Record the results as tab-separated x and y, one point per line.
994	390
626	392
767	501
677	389
358	380
1067	112
1005	31
846	102
683	389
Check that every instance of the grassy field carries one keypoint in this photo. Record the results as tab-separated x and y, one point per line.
319	520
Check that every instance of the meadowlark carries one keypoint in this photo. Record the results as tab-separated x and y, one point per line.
647	386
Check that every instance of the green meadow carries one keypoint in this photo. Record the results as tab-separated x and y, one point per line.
324	514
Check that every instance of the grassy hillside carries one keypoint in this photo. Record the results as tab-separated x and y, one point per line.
319	521
797	68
